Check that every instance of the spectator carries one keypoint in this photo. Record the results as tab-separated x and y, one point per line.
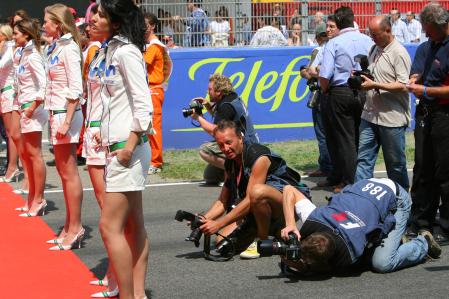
398	27
414	28
295	35
386	114
219	30
318	23
167	25
246	30
225	13
268	35
430	86
196	24
343	108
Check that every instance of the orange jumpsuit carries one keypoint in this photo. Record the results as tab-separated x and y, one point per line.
154	59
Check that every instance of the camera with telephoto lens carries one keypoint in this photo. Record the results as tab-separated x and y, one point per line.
195	223
356	80
195	106
289	250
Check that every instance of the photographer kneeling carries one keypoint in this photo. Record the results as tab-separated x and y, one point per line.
254	180
227	105
367	219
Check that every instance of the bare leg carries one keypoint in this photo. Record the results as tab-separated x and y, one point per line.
266	203
113	221
139	244
96	174
13	155
36	167
65	157
16	136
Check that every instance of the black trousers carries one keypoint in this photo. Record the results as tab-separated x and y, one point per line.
431	172
341	111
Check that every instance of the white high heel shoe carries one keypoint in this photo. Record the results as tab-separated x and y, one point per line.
76	241
39	211
22	209
100	282
14	177
106	294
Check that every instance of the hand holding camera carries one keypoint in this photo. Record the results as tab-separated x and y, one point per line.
195	108
290	229
290	250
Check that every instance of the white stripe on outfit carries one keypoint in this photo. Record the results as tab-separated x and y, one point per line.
31	82
64	83
7	77
16	61
94	109
127	106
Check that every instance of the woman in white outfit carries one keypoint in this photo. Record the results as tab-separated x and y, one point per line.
63	96
125	121
7	95
31	83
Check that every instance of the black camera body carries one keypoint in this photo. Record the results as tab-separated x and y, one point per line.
356	80
290	250
195	223
312	83
195	106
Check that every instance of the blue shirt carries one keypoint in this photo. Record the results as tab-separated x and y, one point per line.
338	57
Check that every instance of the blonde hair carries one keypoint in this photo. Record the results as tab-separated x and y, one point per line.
221	84
61	15
6	30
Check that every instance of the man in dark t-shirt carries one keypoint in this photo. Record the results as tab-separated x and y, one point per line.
254	180
225	104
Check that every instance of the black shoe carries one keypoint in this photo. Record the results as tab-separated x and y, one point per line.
51	163
434	250
441	238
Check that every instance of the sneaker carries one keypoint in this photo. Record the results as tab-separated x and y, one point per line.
434	250
154	170
250	252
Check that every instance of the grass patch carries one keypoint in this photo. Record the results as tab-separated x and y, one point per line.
299	154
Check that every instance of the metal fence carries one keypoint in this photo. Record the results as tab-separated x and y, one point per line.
233	22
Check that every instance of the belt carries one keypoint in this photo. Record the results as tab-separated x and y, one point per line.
26	105
121	144
94	124
59	111
9	87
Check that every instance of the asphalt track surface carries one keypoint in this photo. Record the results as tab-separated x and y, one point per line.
177	269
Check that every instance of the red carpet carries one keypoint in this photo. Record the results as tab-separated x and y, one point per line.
28	269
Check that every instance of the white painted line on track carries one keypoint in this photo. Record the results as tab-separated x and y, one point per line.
149	185
184	183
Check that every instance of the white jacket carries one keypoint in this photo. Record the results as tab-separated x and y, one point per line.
125	95
64	73
31	77
7	70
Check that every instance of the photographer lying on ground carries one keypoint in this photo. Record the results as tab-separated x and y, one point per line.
224	104
254	180
369	216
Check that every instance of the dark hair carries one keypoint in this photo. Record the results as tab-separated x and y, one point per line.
196	3
228	124
94	9
21	13
385	23
32	28
332	18
151	18
344	17
129	18
317	249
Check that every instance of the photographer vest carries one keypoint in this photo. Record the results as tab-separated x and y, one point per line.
243	119
279	174
361	214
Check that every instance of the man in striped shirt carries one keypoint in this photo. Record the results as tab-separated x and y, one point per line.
414	28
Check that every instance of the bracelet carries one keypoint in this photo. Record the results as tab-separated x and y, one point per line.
424	93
